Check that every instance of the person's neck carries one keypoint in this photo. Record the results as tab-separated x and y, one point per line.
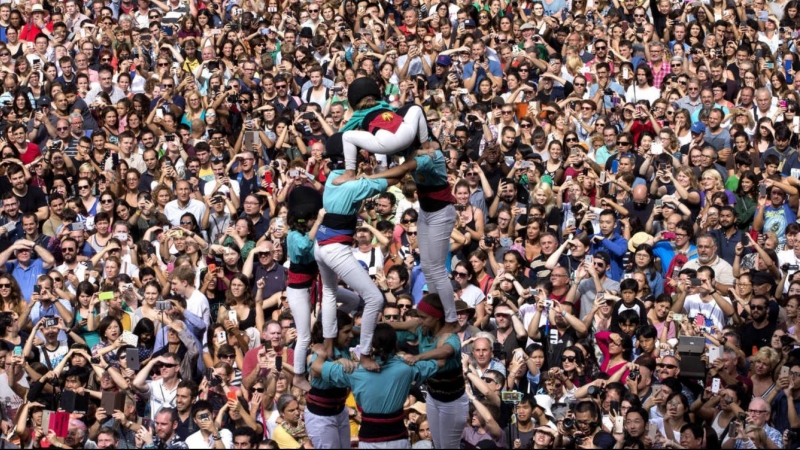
173	348
21	192
184	415
762	324
560	290
171	382
729	231
182	203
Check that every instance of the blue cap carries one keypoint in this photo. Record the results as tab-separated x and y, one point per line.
469	23
444	60
698	127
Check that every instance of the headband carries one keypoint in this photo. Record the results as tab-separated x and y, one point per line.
428	309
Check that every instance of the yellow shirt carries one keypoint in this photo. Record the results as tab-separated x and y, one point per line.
283	438
351	403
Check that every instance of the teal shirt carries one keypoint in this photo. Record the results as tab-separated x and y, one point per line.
383	392
300	248
428	343
431	170
320	383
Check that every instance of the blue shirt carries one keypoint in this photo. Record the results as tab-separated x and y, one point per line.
614	86
616	246
431	170
382	392
494	68
777	219
665	251
26	276
37	312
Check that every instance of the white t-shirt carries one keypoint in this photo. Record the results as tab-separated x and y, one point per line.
196	440
472	295
197	304
711	310
160	396
366	258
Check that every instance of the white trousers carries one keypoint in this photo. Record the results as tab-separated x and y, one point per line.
434	245
384	142
336	261
447	420
328	431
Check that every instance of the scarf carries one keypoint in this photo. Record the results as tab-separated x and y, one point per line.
360	114
298	433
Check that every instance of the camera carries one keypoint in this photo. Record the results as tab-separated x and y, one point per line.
498	352
472	118
308	116
163	305
412	426
489	241
634	374
568	423
50	322
608	91
787	341
215	200
595	391
233	99
578	438
511	396
461	208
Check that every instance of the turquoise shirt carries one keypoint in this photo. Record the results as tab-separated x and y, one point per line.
320	383
428	343
431	170
345	200
382	392
300	248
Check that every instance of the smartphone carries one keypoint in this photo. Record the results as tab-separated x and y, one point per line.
132	359
659	202
18	350
160	113
233	317
762	190
603	177
715	385
619	422
294	173
279	363
205	417
588	259
695	282
105	296
37	289
785	372
279	222
668	235
651	432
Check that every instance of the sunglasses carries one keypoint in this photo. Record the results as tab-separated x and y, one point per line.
569	358
259	390
392	316
231	356
460	274
411	233
623	143
666	366
5	286
404	305
168	366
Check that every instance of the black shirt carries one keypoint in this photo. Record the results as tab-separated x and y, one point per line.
32	201
753	337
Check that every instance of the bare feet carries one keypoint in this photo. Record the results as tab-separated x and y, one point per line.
348	175
301	382
369	364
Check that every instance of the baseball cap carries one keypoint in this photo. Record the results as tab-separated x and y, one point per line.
444	60
698	127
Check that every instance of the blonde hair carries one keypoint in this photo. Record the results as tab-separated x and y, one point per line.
366	103
715	175
760	438
767	355
689	172
550	202
574	64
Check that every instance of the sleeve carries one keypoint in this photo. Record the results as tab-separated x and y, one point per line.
618	247
468	68
424	370
405	336
602	338
455	342
334	374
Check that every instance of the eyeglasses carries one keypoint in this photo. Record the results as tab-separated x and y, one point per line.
167	86
391	316
408	221
108	200
404	305
168	366
458	274
62	128
666	366
259	390
572	139
57	280
756	411
600	47
623	143
758	307
67	249
411	233
5	54
5	286
162	64
230	356
489	380
85	186
105	59
189	222
569	358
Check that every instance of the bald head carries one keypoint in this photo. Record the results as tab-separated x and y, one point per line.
640	193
